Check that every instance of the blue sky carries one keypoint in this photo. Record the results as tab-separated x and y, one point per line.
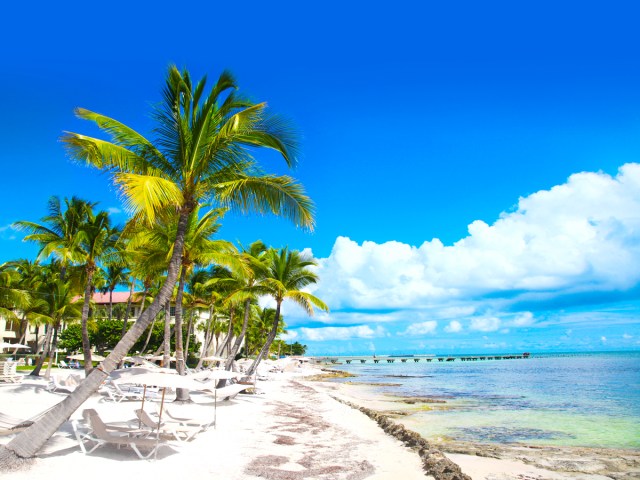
467	123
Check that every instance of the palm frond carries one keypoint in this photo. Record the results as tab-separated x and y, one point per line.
148	194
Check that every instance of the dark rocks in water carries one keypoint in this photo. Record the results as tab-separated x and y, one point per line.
434	462
414	400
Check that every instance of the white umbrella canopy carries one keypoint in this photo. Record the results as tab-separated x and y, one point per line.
160	357
94	357
163	380
216	375
127	375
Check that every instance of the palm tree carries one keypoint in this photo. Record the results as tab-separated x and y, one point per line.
248	280
97	241
115	275
58	235
202	153
287	274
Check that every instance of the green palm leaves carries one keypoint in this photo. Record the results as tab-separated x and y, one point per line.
202	152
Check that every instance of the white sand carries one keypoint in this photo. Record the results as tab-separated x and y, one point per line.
287	432
292	429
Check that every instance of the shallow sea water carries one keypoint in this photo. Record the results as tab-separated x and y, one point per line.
574	400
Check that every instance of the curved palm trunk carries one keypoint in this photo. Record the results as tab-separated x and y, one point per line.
27	443
24	325
45	352
146	343
270	338
86	345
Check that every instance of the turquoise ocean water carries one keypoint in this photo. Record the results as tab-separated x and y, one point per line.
560	399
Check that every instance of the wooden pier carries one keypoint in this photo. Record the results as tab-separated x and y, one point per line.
415	359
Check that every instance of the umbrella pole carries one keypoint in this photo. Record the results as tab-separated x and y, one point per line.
155	454
215	408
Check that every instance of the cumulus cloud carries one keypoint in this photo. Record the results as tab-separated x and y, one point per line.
114	210
626	336
290	335
571	241
422	328
341	333
453	327
485	324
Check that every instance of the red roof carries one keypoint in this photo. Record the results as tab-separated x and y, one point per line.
118	297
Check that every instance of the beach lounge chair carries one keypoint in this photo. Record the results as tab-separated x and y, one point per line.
117	394
226	393
67	385
8	372
181	433
102	434
202	424
63	364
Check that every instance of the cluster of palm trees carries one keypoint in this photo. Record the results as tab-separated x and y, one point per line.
218	283
199	164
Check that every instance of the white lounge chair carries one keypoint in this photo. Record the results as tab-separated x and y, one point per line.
117	394
202	424
63	364
67	385
102	434
8	372
181	433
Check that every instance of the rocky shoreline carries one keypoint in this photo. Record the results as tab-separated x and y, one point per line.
561	462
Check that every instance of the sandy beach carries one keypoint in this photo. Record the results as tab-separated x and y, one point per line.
291	429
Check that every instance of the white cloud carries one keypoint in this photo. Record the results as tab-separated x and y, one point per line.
290	335
114	210
603	339
575	238
523	319
580	236
485	324
453	327
626	336
422	328
341	333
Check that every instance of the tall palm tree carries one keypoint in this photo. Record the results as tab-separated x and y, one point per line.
202	152
287	274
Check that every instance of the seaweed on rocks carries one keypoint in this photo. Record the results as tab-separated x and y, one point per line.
434	462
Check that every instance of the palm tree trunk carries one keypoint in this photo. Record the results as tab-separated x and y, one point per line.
239	338
24	325
207	338
182	394
188	337
166	345
146	343
45	352
110	304
52	350
178	324
126	314
27	443
86	345
270	338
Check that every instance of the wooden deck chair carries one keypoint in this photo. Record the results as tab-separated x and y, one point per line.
181	433
102	434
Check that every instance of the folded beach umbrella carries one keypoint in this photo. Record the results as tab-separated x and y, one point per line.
12	345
